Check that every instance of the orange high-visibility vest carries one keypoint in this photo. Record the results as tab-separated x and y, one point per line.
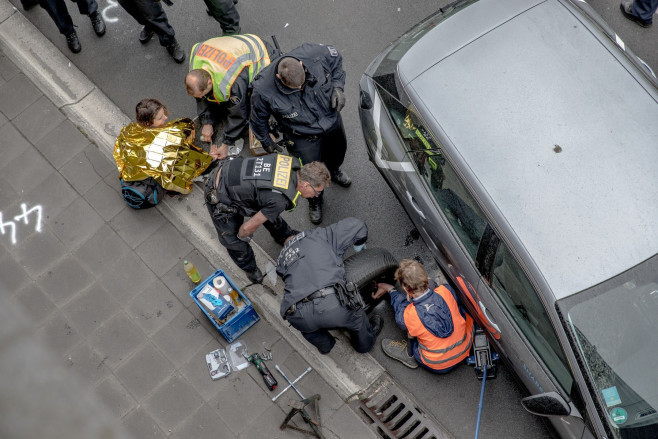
436	352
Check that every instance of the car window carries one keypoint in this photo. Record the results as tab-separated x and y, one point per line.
520	299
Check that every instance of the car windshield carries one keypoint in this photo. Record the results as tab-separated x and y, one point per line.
387	66
615	329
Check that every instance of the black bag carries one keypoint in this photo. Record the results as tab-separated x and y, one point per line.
141	194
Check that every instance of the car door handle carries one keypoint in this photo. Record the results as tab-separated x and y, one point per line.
484	311
413	203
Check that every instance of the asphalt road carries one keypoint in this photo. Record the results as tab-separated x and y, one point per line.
128	71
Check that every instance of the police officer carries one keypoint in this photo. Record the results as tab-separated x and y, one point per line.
151	15
441	332
311	265
221	71
262	188
304	92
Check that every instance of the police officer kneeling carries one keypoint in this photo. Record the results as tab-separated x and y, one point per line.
262	188
311	265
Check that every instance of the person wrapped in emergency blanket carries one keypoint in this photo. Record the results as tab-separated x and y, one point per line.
154	156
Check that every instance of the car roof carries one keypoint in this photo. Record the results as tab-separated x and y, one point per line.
561	140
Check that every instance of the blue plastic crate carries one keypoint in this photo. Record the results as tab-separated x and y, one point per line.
239	322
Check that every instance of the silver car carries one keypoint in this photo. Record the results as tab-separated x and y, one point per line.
521	136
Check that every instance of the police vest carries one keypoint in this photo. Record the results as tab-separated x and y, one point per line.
275	172
225	58
436	352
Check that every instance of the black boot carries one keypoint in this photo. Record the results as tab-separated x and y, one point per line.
255	276
377	323
315	210
97	23
73	42
176	52
341	178
145	35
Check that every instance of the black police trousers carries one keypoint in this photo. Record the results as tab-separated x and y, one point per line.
227	226
329	148
60	14
225	12
150	13
316	317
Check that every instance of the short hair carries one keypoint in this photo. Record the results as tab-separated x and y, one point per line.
291	73
146	110
412	276
197	80
316	174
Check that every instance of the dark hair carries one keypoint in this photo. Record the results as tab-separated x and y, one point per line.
291	72
146	110
316	174
197	80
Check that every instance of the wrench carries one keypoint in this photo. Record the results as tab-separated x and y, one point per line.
292	383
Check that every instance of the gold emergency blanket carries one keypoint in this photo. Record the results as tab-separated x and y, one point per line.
162	153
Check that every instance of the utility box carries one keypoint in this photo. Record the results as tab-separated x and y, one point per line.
237	322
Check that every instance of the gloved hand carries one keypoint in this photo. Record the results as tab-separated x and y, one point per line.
337	99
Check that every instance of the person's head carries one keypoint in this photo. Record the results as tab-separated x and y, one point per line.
412	277
198	83
290	71
151	113
312	179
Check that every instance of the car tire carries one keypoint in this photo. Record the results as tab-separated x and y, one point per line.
368	266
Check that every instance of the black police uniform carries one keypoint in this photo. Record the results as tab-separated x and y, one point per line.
311	265
60	14
246	186
150	14
305	116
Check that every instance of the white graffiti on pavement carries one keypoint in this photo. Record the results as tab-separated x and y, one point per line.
10	226
111	4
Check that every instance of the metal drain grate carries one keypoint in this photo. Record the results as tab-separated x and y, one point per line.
393	414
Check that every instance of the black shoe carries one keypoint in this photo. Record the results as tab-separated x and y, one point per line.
29	4
97	23
145	35
627	10
341	178
229	33
255	276
315	211
176	52
377	323
73	42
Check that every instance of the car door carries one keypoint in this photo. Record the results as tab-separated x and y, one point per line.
527	332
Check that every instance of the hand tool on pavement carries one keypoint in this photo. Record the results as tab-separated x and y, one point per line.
300	407
276	366
257	361
291	384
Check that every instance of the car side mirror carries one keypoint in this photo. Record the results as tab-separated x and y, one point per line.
546	404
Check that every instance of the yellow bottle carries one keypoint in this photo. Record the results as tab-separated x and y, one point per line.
235	297
191	271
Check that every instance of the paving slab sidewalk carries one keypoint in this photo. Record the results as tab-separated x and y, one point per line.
98	334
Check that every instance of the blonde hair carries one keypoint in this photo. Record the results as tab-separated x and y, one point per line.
412	276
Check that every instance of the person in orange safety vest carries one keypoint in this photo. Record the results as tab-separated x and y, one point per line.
439	330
